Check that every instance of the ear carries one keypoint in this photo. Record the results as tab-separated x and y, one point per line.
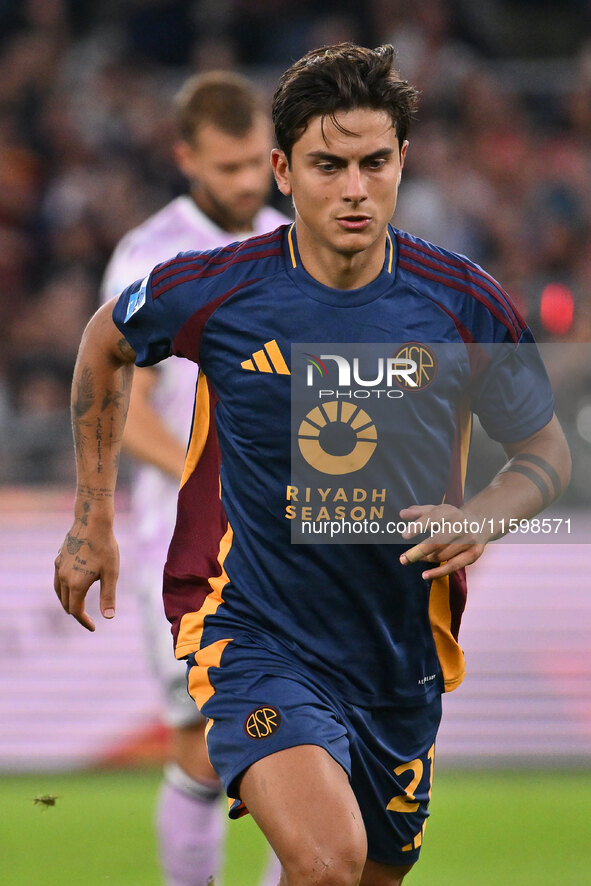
403	151
186	159
281	171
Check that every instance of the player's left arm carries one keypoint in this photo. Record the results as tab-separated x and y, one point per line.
537	472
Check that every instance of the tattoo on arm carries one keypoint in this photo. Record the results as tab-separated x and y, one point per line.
99	446
84	393
544	466
91	494
94	493
535	478
111	397
74	544
80	435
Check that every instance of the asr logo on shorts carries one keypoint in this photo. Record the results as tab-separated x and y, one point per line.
262	722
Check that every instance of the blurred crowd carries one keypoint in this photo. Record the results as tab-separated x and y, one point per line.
499	166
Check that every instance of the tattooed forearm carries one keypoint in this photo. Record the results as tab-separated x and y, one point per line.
94	493
84	393
114	438
81	435
99	446
100	400
111	397
84	518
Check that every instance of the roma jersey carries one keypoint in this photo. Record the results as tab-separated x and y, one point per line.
350	613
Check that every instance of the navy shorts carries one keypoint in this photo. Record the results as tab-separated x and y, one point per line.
256	706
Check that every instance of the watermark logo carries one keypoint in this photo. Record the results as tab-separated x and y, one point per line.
388	370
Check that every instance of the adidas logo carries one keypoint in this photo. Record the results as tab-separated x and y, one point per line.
268	359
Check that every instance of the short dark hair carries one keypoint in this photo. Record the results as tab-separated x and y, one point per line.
224	99
340	78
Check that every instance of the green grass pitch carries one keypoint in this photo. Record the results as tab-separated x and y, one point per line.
486	828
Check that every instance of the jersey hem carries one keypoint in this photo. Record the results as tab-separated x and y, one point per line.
453	682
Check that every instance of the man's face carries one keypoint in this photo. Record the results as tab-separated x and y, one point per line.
344	187
229	174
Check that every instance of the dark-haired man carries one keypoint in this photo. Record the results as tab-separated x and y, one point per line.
320	667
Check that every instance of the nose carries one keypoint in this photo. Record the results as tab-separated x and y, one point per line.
355	190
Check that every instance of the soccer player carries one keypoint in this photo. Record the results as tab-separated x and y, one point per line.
223	149
320	667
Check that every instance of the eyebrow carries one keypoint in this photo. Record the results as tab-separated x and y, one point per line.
325	155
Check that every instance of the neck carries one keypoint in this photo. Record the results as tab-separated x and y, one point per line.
340	270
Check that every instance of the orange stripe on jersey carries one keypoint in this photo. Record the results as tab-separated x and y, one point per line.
200	687
291	249
465	434
447	599
449	652
200	429
391	259
192	623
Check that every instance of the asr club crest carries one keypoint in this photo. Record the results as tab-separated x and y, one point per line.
425	362
263	722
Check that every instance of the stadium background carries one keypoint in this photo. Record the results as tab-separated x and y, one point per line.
499	168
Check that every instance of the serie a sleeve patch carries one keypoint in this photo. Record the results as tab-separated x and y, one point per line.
137	299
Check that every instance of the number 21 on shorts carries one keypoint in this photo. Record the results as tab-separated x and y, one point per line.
407	802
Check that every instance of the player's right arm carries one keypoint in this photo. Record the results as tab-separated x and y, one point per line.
100	398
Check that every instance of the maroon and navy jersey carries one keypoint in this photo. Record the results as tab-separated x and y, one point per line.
375	630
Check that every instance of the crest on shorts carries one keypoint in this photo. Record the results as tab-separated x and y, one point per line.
262	722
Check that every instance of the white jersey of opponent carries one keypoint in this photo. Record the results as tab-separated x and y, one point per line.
178	227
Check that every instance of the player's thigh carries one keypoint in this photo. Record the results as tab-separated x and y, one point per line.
302	800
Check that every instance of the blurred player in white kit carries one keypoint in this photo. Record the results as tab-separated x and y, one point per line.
223	149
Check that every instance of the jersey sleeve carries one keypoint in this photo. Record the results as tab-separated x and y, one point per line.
166	312
150	324
513	397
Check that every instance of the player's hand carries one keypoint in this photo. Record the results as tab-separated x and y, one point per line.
80	562
453	543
